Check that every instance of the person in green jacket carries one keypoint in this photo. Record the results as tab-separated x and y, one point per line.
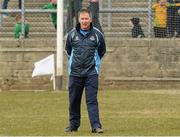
52	5
18	27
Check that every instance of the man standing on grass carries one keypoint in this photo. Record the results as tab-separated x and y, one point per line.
85	47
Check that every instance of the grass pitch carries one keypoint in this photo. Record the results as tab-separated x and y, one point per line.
135	113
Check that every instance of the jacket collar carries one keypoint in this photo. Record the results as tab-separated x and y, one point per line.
78	27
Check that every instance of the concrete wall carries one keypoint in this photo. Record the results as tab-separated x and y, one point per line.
129	63
17	62
142	64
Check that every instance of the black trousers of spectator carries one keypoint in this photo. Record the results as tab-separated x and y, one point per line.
160	32
74	7
5	4
171	23
94	8
177	21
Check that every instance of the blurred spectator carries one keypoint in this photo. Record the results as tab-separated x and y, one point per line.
94	8
160	17
18	27
5	5
177	18
136	28
52	5
73	7
171	14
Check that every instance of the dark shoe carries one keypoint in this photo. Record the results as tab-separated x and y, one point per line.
97	130
69	129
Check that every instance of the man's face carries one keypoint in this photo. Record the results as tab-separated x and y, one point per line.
130	23
85	20
54	1
162	2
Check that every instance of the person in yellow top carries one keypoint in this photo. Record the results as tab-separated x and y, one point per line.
160	17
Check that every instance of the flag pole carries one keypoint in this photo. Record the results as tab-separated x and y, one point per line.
59	48
54	74
54	82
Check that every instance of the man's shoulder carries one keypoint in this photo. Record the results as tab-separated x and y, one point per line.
98	32
18	25
155	5
50	5
71	33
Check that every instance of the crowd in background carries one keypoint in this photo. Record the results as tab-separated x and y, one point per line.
166	22
166	17
73	7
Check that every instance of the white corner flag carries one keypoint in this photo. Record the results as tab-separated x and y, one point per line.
44	67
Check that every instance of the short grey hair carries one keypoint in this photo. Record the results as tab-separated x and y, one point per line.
85	11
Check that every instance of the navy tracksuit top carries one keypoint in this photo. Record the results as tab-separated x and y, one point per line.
85	51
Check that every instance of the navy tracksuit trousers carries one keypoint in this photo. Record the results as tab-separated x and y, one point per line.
76	87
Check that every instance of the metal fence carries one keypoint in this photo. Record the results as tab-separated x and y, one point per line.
115	17
159	19
32	13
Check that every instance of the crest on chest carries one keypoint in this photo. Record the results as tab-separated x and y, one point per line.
76	38
92	38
